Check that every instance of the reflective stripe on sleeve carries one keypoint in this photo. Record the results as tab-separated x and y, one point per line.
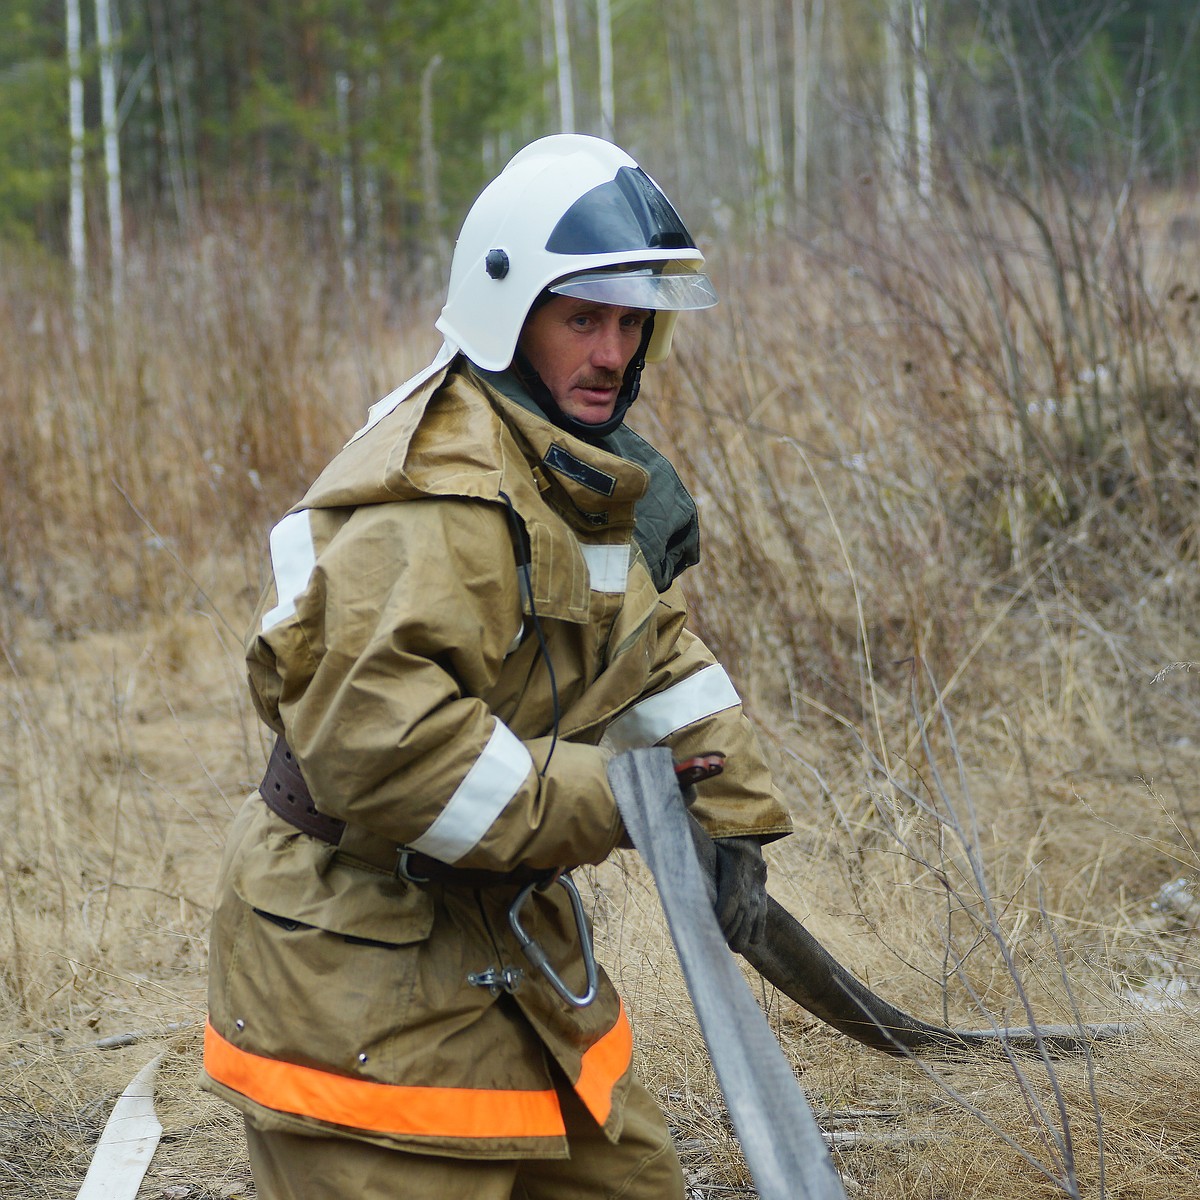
493	780
700	695
292	560
603	1065
381	1107
608	566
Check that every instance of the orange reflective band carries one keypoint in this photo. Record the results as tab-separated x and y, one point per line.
603	1064
381	1107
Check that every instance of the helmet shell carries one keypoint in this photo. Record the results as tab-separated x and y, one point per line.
564	204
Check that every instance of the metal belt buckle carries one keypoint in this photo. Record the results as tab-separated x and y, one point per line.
403	853
537	956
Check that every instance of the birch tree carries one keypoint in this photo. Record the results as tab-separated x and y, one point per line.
806	57
76	218
345	173
562	55
604	36
164	72
770	106
895	112
372	200
112	153
429	168
679	108
922	122
181	43
749	95
756	116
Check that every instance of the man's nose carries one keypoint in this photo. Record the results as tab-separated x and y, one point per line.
609	350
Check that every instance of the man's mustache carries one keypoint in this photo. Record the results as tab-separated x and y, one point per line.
601	382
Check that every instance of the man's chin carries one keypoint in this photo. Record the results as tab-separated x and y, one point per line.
590	414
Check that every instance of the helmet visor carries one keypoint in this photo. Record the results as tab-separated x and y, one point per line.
640	288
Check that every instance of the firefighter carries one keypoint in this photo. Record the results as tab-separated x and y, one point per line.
472	609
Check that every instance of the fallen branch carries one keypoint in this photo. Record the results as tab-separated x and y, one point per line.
118	1041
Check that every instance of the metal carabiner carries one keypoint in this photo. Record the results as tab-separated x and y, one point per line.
537	956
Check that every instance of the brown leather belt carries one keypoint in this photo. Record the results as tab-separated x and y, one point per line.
286	794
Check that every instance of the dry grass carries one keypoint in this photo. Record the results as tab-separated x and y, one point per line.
948	604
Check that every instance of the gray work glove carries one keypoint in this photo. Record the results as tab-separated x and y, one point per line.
741	903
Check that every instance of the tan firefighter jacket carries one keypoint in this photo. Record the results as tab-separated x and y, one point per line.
397	652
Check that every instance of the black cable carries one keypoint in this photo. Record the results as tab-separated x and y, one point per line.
520	542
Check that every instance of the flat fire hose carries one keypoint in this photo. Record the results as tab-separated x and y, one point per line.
782	1145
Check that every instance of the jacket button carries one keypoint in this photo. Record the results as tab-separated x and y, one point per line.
362	1058
239	1024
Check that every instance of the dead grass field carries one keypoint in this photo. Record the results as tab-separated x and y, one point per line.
951	564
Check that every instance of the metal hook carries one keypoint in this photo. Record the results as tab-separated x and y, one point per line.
537	956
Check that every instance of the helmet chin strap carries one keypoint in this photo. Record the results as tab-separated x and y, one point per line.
630	386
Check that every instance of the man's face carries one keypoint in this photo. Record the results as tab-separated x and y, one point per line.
581	349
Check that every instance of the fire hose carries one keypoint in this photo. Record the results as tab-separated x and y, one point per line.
779	1136
782	1145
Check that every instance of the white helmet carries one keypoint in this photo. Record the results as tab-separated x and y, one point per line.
574	215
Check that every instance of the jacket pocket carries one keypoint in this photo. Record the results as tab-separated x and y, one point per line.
291	876
314	961
301	993
294	992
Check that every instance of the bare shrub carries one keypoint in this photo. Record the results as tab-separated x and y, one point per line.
883	512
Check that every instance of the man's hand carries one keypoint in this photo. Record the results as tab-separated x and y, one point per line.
741	903
741	883
698	768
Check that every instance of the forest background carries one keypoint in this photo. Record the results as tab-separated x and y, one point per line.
942	430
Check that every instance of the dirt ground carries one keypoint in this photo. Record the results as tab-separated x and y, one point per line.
129	753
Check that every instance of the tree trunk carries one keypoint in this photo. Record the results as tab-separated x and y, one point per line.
204	71
112	153
837	148
750	126
435	250
922	123
372	200
800	102
181	37
607	103
562	55
548	66
770	85
76	223
895	113
345	174
806	59
713	99
679	112
165	73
